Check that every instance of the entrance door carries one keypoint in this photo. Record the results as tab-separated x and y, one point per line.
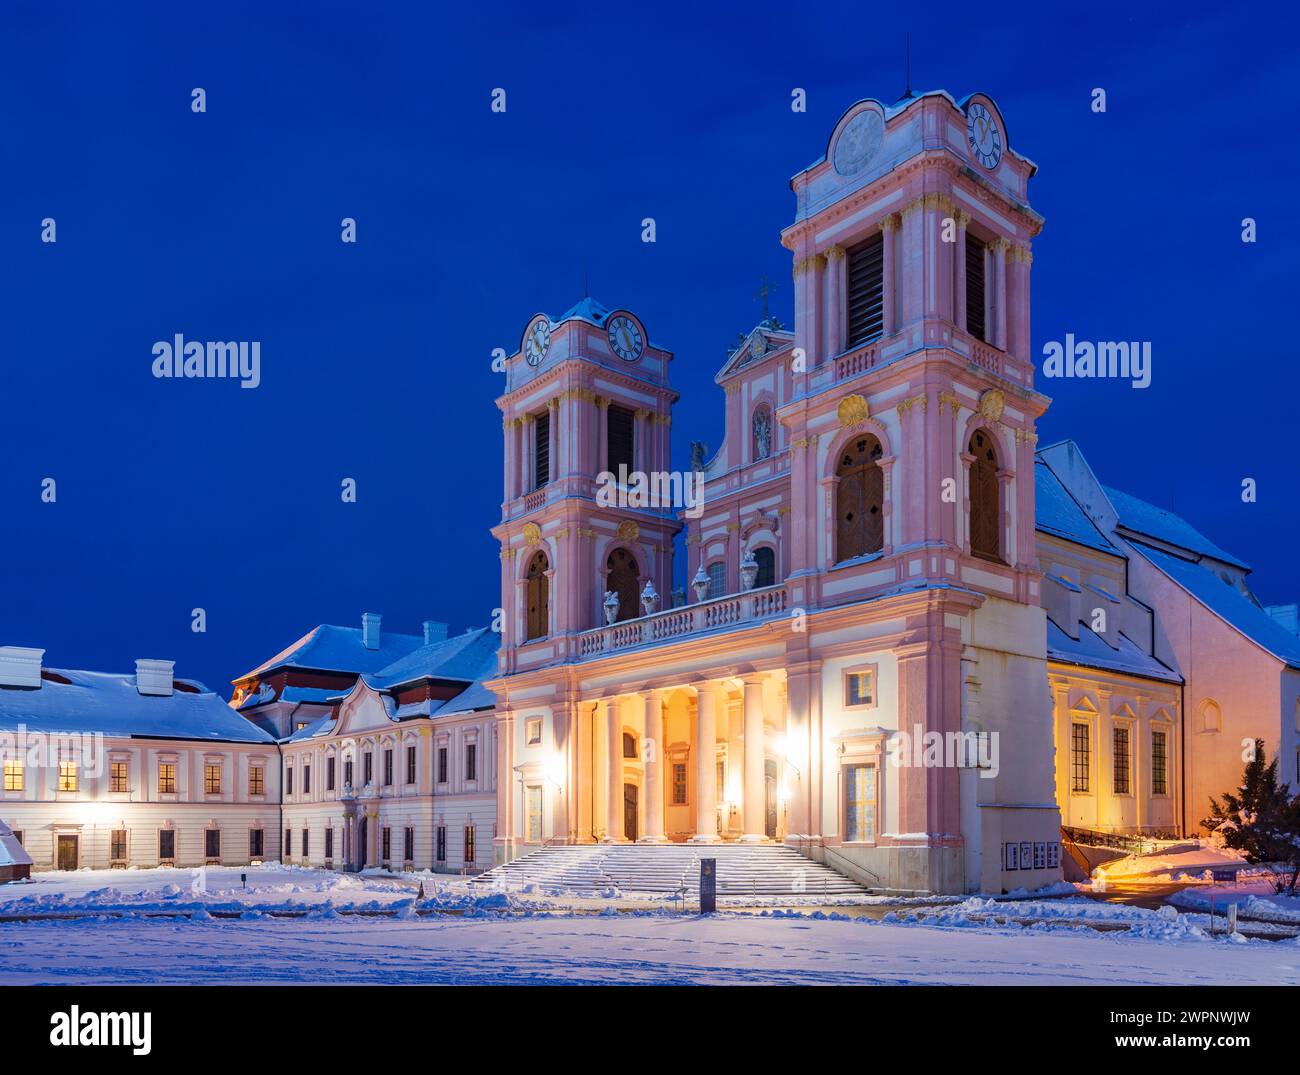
361	844
769	802
629	811
67	852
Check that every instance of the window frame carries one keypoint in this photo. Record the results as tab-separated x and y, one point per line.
873	670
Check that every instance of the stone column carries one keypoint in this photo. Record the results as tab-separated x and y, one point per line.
602	434
889	229
652	753
753	810
1000	294
834	301
553	456
959	276
706	760
614	771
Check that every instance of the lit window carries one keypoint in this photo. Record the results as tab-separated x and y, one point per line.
469	844
117	776
117	845
1121	760
1159	764
535	814
860	804
679	783
860	687
67	776
13	776
1079	757
212	780
167	778
256	780
534	730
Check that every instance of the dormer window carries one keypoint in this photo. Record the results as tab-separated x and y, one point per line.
865	295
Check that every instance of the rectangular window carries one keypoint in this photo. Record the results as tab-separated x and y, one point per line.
117	845
717	573
329	773
167	778
720	791
67	776
306	778
679	783
368	768
534	731
306	842
1080	760
408	845
117	776
864	306
288	842
410	765
387	834
442	843
535	813
256	780
860	804
469	843
388	767
329	844
347	772
471	761
541	449
212	843
212	780
860	687
974	286
442	765
288	779
619	424
1120	742
256	840
13	776
1159	764
166	845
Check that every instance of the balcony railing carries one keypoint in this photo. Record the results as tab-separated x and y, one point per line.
673	623
859	361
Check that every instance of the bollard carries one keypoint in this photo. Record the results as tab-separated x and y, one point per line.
708	886
1232	918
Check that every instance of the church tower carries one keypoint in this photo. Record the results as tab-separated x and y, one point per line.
586	416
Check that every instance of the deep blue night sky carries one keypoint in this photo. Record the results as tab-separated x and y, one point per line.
376	357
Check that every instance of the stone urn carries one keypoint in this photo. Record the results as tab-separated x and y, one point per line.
649	598
611	606
700	584
748	570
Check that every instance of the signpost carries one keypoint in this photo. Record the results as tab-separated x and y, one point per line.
708	886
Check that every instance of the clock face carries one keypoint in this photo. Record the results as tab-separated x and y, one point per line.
625	338
983	135
536	340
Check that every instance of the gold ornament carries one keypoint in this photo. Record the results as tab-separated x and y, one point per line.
991	404
852	410
532	533
628	530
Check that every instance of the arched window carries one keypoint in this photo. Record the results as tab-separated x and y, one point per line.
985	516
625	580
629	745
1211	716
539	598
717	573
766	558
762	431
859	499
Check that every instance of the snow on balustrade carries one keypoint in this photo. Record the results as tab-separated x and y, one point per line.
679	622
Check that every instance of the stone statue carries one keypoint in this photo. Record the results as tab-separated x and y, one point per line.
762	433
698	450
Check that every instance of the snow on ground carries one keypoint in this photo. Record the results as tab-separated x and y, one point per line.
495	937
1186	859
1254	899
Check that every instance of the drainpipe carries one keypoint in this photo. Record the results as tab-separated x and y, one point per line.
1182	753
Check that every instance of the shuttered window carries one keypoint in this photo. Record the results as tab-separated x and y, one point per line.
985	517
539	598
865	306
859	500
974	286
542	450
620	438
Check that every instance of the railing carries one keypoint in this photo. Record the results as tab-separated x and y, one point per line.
687	620
535	500
859	361
1116	841
988	357
846	866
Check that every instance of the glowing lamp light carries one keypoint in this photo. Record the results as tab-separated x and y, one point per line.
553	770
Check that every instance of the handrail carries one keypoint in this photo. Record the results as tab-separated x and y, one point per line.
809	842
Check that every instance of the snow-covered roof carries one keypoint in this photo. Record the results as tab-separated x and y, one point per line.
1227	602
320	727
1092	651
110	704
460	657
12	853
1057	512
588	309
475	696
1142	518
328	648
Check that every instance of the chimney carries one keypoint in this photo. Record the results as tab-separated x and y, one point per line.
370	629
434	631
154	677
20	666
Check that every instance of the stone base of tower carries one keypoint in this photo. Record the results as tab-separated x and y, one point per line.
899	871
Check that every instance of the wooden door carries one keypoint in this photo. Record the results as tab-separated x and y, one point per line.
629	811
67	852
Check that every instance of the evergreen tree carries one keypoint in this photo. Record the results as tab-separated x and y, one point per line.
1262	819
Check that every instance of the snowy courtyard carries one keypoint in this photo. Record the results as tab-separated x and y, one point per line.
293	925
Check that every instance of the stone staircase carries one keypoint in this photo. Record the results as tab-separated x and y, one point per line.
743	870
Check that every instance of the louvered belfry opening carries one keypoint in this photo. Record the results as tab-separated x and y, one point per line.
859	499
619	435
539	597
975	286
624	579
865	292
985	516
542	450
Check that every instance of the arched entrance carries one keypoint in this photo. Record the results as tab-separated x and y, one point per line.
623	578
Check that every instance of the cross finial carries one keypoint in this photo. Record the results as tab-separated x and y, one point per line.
765	288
